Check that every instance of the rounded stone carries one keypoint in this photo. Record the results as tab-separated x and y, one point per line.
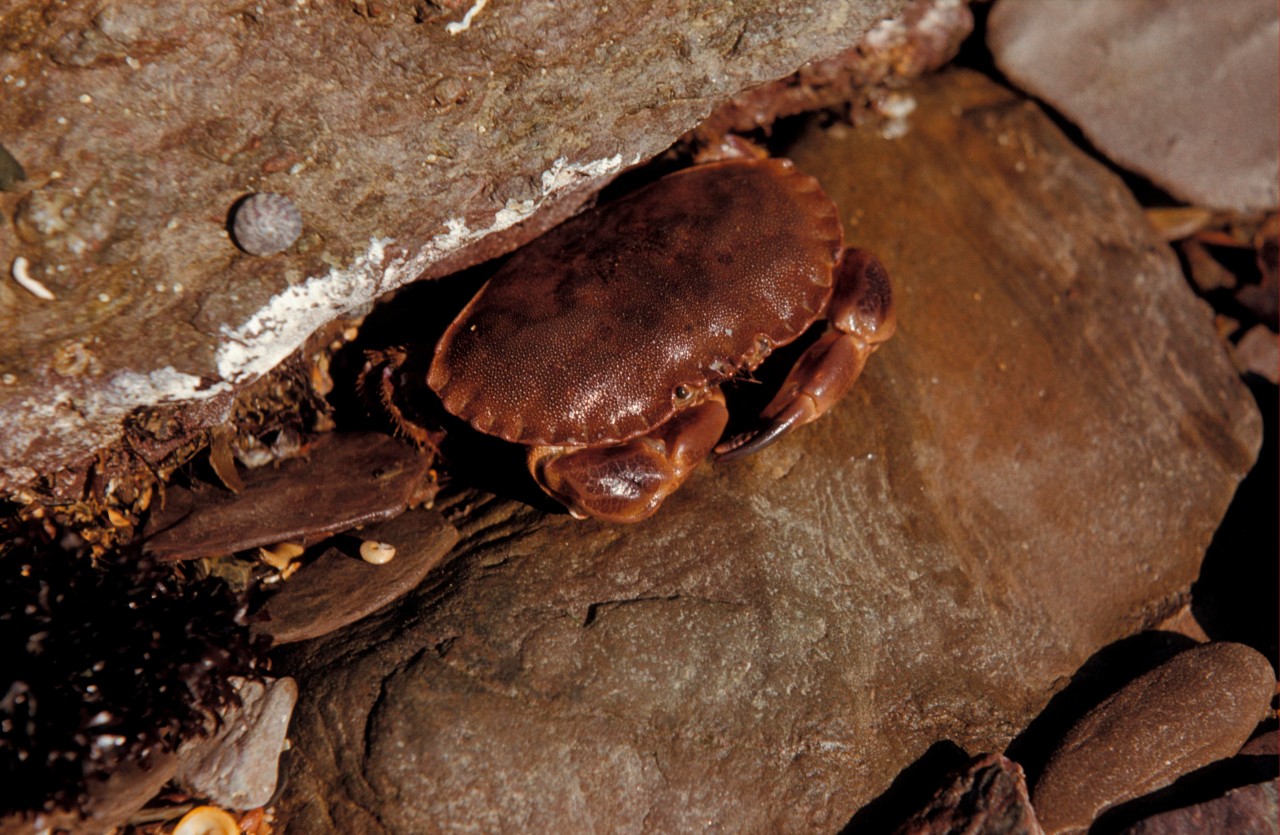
1198	707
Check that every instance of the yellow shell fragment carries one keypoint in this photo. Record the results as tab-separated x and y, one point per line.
207	820
377	553
280	555
1177	222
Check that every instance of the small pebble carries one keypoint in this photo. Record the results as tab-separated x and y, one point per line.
1206	272
1196	708
1259	353
266	223
377	553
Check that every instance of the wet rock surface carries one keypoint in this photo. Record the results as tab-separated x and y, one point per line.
1030	470
405	133
1149	83
1196	708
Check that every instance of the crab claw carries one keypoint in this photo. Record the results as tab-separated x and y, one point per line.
861	315
627	482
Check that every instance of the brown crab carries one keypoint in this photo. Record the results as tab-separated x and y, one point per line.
601	346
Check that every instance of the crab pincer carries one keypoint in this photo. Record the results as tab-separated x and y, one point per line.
860	318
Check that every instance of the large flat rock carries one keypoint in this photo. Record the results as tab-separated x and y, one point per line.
1028	471
415	138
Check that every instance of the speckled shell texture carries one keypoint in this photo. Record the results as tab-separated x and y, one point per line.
582	337
266	223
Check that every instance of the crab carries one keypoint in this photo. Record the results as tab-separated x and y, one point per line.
602	345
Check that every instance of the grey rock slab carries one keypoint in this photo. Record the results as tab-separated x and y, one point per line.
237	765
1028	471
1185	93
414	139
1196	708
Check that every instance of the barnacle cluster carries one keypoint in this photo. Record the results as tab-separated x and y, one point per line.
108	661
107	501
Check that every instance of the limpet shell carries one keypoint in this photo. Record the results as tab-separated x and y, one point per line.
377	553
266	223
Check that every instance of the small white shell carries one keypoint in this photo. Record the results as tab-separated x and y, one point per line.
31	285
377	553
266	223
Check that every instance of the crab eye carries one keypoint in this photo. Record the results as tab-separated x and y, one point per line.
682	394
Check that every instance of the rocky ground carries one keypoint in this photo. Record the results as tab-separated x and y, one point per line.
1023	477
1022	579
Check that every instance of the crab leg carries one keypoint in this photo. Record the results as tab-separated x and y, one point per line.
627	482
860	318
384	376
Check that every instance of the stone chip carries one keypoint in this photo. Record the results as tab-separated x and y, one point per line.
347	479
